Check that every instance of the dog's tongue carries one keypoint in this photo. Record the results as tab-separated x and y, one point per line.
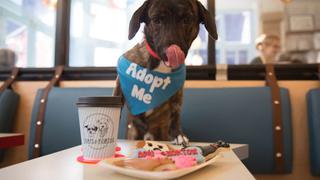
175	56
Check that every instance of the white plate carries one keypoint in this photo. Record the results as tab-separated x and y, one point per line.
107	163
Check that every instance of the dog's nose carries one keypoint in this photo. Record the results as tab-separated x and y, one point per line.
175	56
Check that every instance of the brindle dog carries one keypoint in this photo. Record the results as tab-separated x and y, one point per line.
170	28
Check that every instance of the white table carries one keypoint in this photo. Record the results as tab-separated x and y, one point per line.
63	166
8	140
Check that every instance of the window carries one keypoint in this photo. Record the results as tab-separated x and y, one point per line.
236	30
98	36
27	27
99	31
237	25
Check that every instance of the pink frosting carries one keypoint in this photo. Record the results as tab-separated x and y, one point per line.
157	155
184	161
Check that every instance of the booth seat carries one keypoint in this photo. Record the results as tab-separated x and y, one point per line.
239	115
235	115
61	129
313	103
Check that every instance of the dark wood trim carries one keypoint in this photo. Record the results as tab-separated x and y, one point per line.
283	72
95	73
235	72
211	42
71	73
62	33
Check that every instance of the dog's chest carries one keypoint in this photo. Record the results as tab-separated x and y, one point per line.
163	69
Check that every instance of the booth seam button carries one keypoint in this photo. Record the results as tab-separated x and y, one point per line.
278	128
279	155
36	145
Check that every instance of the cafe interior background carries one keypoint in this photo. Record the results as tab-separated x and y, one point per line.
88	36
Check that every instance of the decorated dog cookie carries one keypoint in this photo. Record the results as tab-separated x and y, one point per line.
153	145
157	156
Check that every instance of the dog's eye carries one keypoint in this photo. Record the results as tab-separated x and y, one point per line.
160	147
150	144
187	20
156	20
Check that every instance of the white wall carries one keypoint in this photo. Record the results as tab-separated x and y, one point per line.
271	6
257	6
238	4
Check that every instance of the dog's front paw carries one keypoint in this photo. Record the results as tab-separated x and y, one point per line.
181	140
148	137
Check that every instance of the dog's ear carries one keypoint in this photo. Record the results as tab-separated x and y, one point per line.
137	18
209	23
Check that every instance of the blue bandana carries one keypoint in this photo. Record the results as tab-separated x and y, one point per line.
144	89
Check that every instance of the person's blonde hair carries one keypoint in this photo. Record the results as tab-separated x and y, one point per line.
266	39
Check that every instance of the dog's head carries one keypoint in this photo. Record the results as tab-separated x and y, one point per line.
96	127
171	26
102	127
91	129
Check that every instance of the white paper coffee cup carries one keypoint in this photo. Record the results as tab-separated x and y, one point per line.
99	123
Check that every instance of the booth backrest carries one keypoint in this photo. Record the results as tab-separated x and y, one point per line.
61	127
235	115
9	101
239	115
313	102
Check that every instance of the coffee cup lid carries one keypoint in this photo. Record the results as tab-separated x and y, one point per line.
101	101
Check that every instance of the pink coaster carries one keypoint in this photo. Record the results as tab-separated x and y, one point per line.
82	160
116	155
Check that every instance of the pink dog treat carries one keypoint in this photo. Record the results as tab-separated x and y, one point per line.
157	154
184	161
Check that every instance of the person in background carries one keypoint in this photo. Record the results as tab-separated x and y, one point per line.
268	47
7	58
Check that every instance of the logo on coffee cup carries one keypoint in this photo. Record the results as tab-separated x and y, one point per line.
98	131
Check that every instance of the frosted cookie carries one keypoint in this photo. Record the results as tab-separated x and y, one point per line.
155	156
211	150
143	164
153	145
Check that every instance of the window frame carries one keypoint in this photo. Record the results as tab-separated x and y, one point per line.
206	72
